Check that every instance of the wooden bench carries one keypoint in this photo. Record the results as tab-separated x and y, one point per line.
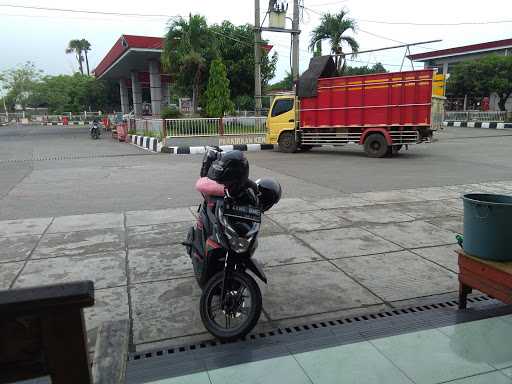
490	277
42	333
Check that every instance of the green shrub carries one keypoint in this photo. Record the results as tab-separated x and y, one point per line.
170	113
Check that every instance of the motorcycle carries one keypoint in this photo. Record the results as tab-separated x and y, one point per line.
221	245
95	130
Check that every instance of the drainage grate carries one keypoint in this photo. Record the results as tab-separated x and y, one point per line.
310	327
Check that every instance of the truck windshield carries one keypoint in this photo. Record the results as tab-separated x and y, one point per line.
281	106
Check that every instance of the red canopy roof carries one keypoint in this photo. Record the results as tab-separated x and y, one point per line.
466	49
123	44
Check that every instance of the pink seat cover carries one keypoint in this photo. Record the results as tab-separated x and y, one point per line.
209	187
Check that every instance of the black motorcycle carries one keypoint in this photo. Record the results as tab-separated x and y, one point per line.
95	130
221	245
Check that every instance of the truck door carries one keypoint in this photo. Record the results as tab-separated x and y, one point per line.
281	117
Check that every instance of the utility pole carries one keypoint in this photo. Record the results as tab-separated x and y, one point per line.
257	58
295	40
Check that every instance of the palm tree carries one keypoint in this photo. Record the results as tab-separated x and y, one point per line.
187	50
75	46
333	28
86	46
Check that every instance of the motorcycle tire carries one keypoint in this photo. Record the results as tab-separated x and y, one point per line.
212	289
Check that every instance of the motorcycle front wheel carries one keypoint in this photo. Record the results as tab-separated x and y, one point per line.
240	311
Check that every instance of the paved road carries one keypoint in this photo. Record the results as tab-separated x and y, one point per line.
327	252
52	171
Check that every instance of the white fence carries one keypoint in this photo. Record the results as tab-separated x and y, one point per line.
475	116
216	126
145	126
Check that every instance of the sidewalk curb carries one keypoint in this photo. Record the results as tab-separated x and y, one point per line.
478	124
149	143
69	123
226	148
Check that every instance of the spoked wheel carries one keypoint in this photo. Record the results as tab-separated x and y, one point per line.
238	313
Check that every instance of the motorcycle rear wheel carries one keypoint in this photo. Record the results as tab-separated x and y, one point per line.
242	306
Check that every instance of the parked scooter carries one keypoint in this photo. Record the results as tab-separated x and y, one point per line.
222	242
95	130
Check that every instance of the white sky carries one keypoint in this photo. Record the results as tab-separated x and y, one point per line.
42	37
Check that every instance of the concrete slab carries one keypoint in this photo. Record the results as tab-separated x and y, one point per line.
347	242
269	227
309	221
158	234
345	201
437	193
414	234
17	248
87	222
292	205
443	255
109	304
373	214
106	270
158	216
311	288
428	209
393	196
80	243
284	249
497	188
451	223
166	309
8	271
399	275
24	227
158	263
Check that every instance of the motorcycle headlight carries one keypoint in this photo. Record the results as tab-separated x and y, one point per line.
239	244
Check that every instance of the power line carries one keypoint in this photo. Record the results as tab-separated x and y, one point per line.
423	24
436	24
85	11
331	3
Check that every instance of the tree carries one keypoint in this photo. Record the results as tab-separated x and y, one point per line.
188	49
75	93
235	45
86	46
217	93
19	83
286	83
333	28
364	70
75	46
480	78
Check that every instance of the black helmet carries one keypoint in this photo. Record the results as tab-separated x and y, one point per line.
231	169
269	192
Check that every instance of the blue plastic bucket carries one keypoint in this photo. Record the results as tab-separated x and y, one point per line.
488	226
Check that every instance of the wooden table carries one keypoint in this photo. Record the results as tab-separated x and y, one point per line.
490	277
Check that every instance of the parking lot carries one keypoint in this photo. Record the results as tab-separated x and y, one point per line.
352	234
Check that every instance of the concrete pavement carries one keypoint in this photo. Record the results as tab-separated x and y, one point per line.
356	252
352	234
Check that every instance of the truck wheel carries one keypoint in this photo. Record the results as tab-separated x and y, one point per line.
376	145
287	142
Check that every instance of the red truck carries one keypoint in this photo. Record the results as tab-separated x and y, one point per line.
383	112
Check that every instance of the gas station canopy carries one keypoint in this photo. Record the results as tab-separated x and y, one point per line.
130	53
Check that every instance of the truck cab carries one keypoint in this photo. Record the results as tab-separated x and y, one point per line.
281	118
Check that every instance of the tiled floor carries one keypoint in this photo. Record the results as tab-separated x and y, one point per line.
323	258
477	352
